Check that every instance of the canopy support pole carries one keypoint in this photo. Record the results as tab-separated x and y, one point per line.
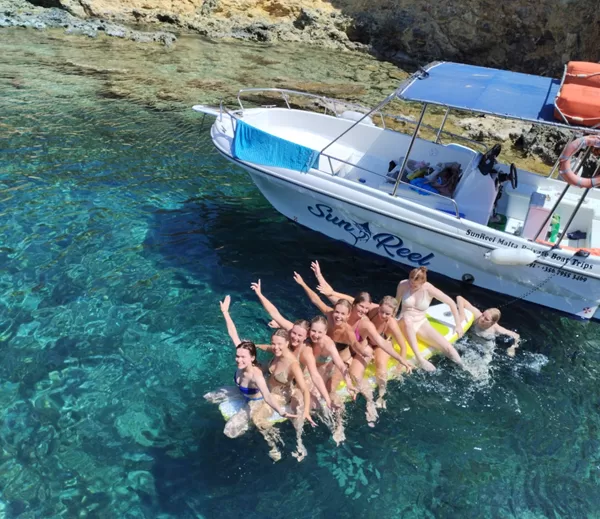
410	146
439	133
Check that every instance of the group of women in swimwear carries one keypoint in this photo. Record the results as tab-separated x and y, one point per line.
311	358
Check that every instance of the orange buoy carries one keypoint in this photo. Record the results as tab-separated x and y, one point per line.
564	163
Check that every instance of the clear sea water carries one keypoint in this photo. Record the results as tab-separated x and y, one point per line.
120	230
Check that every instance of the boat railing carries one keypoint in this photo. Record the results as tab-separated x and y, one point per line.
233	116
386	178
329	104
337	106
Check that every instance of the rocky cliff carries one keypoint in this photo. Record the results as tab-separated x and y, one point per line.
528	35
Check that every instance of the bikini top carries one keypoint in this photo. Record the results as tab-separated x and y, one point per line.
487	334
341	346
246	391
282	376
320	359
369	342
411	302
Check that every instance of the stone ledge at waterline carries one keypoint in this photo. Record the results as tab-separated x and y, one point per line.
536	36
20	13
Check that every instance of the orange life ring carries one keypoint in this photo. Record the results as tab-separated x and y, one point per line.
564	163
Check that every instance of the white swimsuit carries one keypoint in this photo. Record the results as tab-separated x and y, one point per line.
415	306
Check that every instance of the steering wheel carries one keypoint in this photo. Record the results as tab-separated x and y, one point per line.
488	159
514	179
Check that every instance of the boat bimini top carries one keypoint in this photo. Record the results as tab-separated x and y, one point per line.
500	93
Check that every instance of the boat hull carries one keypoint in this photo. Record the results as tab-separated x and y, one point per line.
416	243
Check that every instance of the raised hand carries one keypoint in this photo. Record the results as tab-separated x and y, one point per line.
298	279
256	288
316	268
225	304
273	324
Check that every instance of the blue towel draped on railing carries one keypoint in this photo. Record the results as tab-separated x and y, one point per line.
253	145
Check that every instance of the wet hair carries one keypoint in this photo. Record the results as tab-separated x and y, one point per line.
319	319
303	323
495	314
389	301
362	297
250	347
280	332
345	303
418	274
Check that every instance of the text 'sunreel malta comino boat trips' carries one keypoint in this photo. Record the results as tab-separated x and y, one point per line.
450	206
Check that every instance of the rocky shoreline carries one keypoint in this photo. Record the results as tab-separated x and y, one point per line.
307	22
534	36
19	13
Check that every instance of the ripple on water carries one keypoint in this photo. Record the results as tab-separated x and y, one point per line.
121	229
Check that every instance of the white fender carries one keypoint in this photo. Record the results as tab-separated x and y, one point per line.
512	256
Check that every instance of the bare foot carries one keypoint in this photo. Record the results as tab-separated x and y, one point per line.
511	351
427	366
380	403
371	413
274	454
300	454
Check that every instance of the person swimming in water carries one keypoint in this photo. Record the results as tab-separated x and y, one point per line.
286	383
416	294
486	324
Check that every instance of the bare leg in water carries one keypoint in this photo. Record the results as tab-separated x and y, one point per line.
337	427
297	405
357	371
381	363
260	414
239	423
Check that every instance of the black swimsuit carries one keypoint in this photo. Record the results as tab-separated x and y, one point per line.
341	346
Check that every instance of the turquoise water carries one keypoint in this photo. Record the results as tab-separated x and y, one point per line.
121	229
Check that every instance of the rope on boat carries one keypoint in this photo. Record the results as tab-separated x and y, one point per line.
536	287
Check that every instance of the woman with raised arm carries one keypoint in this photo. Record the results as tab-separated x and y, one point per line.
358	309
298	332
392	325
416	295
486	324
367	341
286	381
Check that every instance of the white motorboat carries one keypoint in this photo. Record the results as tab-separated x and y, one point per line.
425	202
